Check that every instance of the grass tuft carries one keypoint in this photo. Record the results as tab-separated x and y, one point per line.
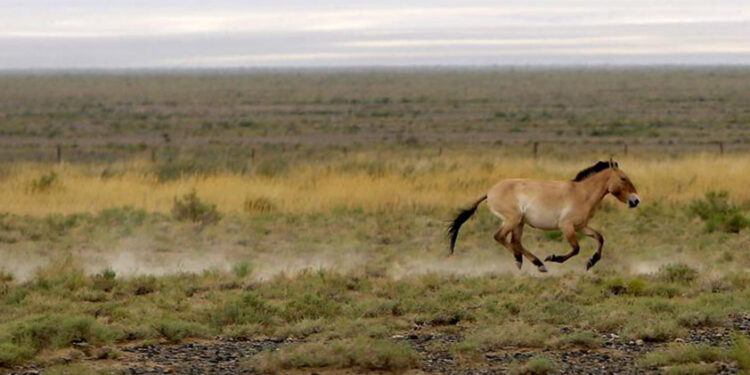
537	365
363	353
741	352
680	354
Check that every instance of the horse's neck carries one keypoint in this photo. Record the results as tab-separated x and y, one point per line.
593	189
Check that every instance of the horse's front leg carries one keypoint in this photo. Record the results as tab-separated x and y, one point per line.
569	232
598	254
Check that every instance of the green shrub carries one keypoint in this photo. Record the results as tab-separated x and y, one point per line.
586	339
624	286
44	183
537	365
105	280
248	308
719	214
176	330
59	330
364	353
511	334
677	273
241	269
679	354
15	295
653	330
12	354
309	306
691	369
191	208
741	353
143	284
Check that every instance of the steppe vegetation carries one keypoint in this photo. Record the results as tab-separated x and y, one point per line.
309	209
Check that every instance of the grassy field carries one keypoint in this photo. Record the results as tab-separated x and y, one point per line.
309	209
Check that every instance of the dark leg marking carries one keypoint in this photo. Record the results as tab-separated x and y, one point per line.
563	258
594	258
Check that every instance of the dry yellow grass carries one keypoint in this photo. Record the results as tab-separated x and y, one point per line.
364	181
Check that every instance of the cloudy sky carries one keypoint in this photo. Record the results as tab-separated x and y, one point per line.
44	34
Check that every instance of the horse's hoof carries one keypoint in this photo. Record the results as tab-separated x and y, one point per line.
519	264
592	261
589	264
542	268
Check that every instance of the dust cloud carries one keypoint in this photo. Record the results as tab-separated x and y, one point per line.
136	255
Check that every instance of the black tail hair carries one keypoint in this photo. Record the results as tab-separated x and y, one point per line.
461	218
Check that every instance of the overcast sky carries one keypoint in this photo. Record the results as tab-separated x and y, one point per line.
193	34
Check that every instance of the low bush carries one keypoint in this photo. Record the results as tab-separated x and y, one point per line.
248	308
719	213
50	331
175	330
537	365
364	353
12	354
45	182
741	353
653	330
680	354
585	339
514	334
191	208
678	273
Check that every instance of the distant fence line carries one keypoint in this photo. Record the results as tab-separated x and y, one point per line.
625	146
157	153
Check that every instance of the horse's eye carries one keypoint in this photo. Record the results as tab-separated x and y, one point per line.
623	179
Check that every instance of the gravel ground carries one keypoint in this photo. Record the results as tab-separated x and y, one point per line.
223	356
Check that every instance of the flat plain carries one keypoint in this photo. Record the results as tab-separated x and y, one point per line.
294	221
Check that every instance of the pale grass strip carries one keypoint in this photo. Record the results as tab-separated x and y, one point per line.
400	183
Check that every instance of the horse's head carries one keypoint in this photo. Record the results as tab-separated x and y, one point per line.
621	187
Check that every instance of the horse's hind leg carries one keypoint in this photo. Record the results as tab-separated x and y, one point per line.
516	243
501	236
570	234
600	239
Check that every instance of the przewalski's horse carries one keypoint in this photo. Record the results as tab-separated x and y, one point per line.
549	205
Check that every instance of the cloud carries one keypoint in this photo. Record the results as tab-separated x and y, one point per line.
88	33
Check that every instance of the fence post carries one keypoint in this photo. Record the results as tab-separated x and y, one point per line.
252	155
721	147
625	149
59	154
536	149
153	154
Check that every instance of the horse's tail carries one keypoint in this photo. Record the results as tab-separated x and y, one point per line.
462	216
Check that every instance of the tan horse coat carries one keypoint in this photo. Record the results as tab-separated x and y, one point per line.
549	205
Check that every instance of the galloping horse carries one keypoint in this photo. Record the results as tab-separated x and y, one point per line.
550	205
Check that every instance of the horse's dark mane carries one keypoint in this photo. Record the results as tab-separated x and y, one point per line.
598	167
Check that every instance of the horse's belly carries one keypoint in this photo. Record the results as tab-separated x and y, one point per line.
541	220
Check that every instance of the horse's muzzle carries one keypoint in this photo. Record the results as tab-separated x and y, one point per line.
633	200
